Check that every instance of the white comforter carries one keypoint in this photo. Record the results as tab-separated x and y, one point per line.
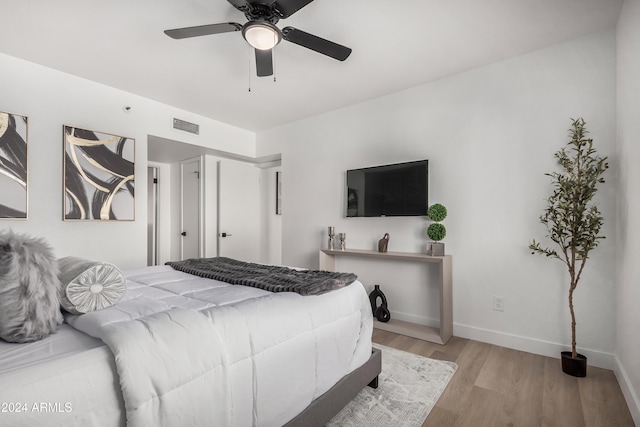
194	351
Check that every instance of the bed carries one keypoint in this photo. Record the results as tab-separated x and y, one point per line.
179	349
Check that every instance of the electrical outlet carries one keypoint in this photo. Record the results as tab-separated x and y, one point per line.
498	303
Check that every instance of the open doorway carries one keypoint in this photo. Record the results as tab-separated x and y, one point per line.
168	155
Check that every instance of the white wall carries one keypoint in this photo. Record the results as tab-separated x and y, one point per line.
51	99
490	135
628	230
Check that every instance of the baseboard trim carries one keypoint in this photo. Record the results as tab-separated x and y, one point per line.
531	345
627	390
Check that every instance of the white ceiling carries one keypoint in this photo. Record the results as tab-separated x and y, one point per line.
396	45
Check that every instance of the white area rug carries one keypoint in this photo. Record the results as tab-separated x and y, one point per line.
409	386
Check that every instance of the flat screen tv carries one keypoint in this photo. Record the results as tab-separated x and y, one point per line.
399	189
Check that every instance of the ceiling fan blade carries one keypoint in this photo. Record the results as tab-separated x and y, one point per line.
203	30
241	5
264	62
286	8
316	43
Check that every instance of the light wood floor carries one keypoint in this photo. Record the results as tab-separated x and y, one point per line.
497	386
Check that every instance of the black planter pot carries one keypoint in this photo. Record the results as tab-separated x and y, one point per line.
575	367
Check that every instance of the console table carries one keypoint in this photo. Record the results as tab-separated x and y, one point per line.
437	335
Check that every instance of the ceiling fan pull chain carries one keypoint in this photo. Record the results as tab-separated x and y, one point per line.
250	55
274	65
273	55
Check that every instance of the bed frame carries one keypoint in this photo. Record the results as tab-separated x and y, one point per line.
325	407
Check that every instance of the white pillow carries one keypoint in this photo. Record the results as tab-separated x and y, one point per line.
89	285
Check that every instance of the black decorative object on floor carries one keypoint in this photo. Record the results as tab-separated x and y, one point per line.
381	312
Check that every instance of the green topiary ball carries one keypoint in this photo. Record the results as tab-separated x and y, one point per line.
436	232
437	212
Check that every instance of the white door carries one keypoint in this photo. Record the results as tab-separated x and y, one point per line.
239	211
191	208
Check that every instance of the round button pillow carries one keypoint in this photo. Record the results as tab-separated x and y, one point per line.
89	285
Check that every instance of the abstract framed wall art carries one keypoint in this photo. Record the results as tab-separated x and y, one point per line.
98	176
13	166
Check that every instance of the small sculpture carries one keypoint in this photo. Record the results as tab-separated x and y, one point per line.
383	243
332	235
342	237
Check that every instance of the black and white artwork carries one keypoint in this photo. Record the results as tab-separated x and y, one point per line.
98	176
13	166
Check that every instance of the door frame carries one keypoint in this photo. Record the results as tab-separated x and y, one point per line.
152	214
163	211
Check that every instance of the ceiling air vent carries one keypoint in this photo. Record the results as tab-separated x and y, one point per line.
186	126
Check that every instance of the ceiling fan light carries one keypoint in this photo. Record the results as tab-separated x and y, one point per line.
262	36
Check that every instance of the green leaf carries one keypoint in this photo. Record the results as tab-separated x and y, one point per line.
436	231
437	212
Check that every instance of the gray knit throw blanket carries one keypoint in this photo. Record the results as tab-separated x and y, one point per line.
268	277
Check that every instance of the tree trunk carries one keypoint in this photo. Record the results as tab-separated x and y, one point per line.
574	352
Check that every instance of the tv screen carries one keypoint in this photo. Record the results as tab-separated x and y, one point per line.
399	189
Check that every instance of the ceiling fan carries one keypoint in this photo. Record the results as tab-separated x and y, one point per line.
261	32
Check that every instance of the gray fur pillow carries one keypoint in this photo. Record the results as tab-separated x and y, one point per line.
29	287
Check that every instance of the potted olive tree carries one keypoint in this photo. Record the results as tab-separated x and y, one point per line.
436	231
573	222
